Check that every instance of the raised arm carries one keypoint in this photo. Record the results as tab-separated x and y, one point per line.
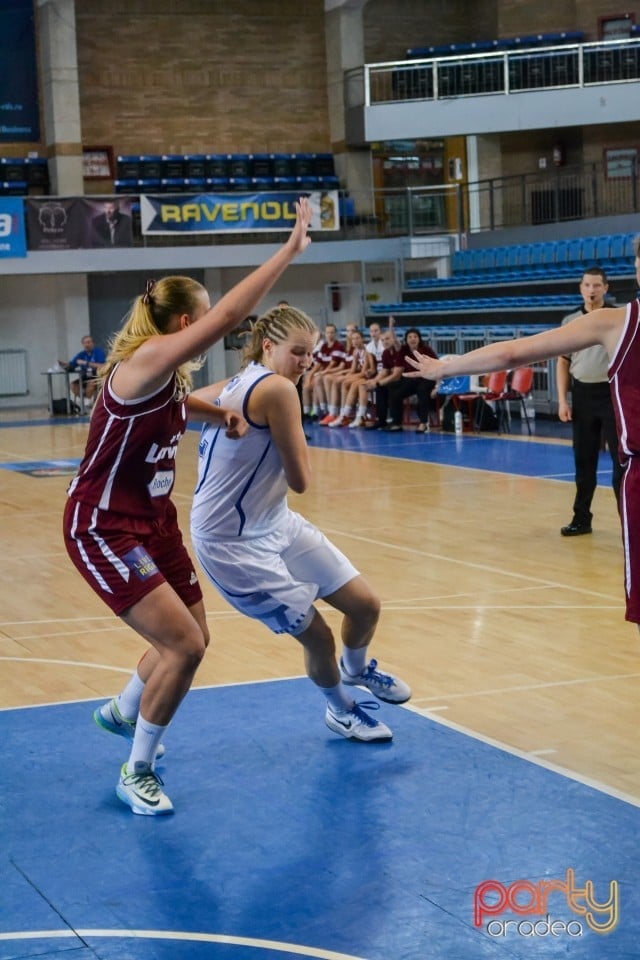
160	355
601	326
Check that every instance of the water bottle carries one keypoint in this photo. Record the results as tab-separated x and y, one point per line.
457	421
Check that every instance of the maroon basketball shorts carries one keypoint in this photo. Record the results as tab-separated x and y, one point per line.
123	558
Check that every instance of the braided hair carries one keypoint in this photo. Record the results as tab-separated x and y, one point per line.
277	325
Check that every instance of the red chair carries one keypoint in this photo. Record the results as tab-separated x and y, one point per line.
495	387
519	388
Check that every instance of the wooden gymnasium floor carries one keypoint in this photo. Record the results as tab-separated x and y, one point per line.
500	625
517	757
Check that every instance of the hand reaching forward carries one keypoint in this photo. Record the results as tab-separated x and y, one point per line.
426	367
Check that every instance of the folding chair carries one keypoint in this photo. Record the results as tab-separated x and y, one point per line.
519	388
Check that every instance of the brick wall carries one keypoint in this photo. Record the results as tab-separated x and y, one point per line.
193	76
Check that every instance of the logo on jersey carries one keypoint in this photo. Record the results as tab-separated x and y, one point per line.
140	562
161	484
156	453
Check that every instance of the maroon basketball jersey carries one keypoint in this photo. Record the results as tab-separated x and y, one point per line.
129	463
624	378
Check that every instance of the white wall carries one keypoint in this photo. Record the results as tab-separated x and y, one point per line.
47	316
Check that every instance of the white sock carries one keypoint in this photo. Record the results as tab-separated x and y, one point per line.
354	660
338	698
129	700
145	744
362	411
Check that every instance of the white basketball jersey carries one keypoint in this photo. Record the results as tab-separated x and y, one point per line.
242	489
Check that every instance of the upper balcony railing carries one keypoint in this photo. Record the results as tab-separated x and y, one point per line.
505	72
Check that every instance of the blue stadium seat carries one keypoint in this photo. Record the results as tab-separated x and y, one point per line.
282	165
602	251
195	165
217	165
616	249
501	258
285	183
172	166
194	184
307	184
574	252
261	165
303	164
240	184
323	165
13	188
460	262
588	250
239	165
13	169
217	184
262	184
487	258
150	166
172	184
513	256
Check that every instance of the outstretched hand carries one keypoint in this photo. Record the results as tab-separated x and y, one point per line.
427	367
300	238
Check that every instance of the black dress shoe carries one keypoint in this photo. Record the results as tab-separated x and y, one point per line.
575	529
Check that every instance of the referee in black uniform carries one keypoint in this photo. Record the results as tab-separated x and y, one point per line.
585	375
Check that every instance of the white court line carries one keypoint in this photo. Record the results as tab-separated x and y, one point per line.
420	711
205	686
211	615
533	686
531	758
441	558
183	936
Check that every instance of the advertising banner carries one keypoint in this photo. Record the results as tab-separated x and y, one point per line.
13	240
234	213
19	112
81	222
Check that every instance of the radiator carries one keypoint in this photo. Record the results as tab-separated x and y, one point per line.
13	373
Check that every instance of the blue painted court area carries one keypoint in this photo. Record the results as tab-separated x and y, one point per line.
502	454
290	841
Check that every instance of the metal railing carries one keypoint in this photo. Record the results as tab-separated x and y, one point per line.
508	72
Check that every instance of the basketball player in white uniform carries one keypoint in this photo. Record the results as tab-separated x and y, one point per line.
267	561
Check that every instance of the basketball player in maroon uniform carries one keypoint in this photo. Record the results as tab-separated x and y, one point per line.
617	329
120	525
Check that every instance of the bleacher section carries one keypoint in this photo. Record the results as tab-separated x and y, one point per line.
20	176
224	172
567	301
553	259
506	43
538	282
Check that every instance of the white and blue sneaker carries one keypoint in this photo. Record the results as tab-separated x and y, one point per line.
384	686
108	717
356	724
142	791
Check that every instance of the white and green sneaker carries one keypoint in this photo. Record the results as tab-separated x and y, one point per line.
142	791
109	718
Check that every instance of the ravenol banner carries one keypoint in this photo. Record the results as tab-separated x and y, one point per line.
234	213
13	238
